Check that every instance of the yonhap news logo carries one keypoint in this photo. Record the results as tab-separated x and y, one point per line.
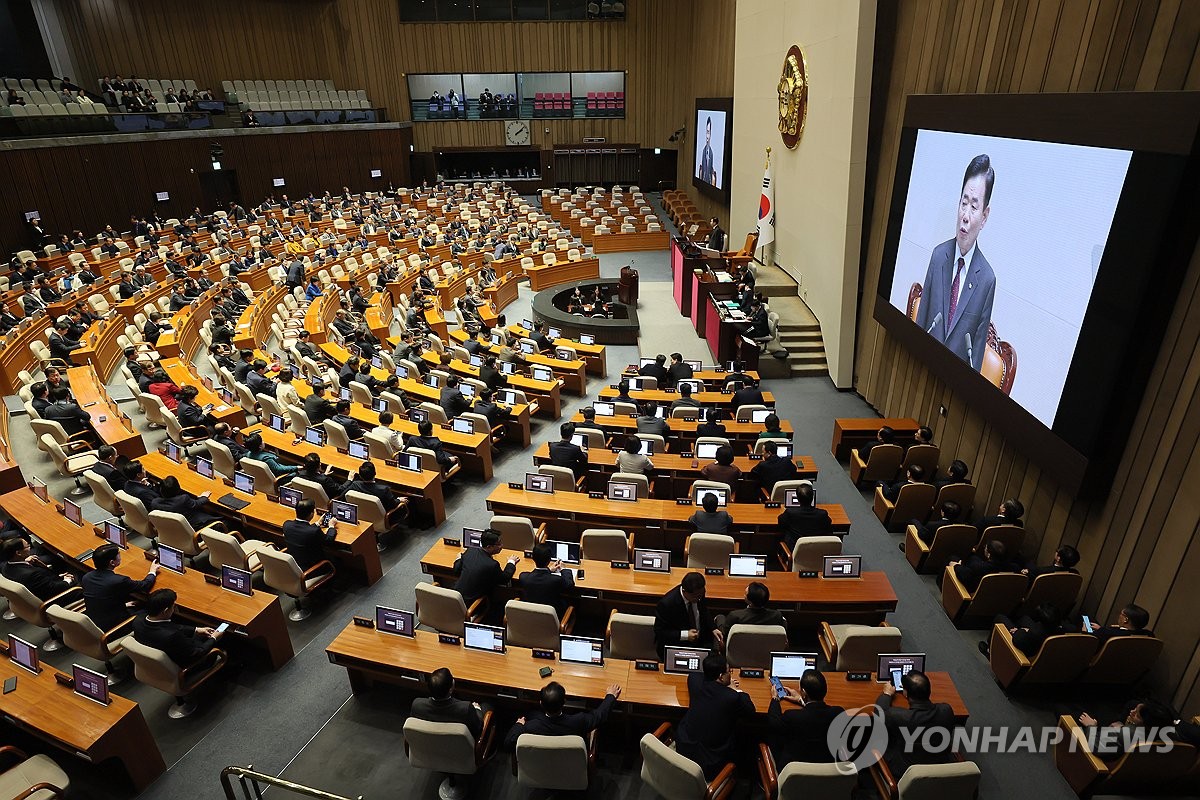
857	738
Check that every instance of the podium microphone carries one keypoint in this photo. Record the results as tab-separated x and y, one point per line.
933	324
970	358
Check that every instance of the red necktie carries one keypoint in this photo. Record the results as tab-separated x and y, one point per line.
954	294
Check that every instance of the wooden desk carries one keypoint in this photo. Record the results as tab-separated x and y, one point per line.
625	242
665	398
849	433
659	524
593	354
182	374
15	354
572	373
10	472
503	292
128	309
423	489
259	616
81	727
548	393
865	600
116	429
543	276
713	379
100	347
681	433
254	324
264	519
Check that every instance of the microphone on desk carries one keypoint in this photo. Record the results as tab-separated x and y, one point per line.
933	324
969	357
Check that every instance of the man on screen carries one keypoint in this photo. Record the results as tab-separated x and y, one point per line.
708	173
956	298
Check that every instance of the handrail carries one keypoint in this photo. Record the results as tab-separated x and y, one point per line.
250	782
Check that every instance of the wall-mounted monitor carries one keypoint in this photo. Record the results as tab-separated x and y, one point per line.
713	146
277	182
376	173
162	197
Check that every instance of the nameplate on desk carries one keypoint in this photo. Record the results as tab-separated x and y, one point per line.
363	622
85	555
751	673
213	579
547	655
515	485
451	542
688	453
807	573
619	564
858	676
683	501
772	504
616	449
646	666
713	571
755	457
65	680
448	638
595	495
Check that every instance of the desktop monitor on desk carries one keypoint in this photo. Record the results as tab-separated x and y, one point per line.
290	497
394	620
747	566
697	386
894	666
417	415
587	338
114	533
204	467
344	512
409	461
276	423
476	361
237	580
527	348
460	425
541	373
646	362
23	654
553	333
315	436
603	409
682	660
842	567
508	368
580	440
472	537
622	491
359	449
707	450
581	650
636	384
466	390
73	512
243	482
170	558
791	497
566	552
483	637
696	366
651	560
539	483
700	492
90	684
759	415
791	666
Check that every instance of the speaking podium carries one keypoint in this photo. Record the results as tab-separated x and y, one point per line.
627	288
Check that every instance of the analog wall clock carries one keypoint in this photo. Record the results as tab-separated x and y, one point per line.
516	133
793	97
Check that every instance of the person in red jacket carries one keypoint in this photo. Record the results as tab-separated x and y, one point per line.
165	389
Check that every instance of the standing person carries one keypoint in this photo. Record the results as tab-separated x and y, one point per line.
707	734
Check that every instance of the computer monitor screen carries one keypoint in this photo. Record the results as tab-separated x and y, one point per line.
783	449
377	362
580	440
508	396
379	405
359	450
564	354
636	384
696	386
542	373
476	361
401	371
236	580
73	512
682	660
645	447
483	637
508	368
90	684
472	537
315	436
527	324
791	497
409	461
23	653
539	483
114	532
745	566
622	491
695	365
603	409
344	393
344	512
432	381
587	338
652	560
707	450
39	488
700	492
243	482
497	339
581	650
759	415
276	423
393	620
527	348
842	566
553	333
566	552
894	666
289	496
204	466
170	558
660	412
172	451
417	415
645	362
466	390
791	666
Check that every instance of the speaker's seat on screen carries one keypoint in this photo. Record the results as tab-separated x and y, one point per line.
999	361
914	301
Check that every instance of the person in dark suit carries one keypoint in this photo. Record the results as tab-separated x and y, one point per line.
62	343
31	304
23	567
707	734
681	617
550	720
1030	630
257	380
679	370
712	425
364	482
546	582
972	570
565	453
950	512
749	395
106	595
295	274
125	288
491	375
66	412
539	337
915	474
427	441
804	520
137	486
1065	559
451	398
155	326
1132	621
801	734
885	435
959	286
1009	513
174	499
305	542
441	705
342	417
107	467
649	421
495	412
478	572
1141	721
317	407
956	473
920	715
186	645
772	468
755	612
310	470
657	370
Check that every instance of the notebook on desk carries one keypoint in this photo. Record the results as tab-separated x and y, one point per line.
230	501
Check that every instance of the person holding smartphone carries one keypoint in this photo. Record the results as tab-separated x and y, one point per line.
800	734
155	627
921	713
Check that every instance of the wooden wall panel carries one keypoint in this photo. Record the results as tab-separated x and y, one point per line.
1141	543
671	51
90	185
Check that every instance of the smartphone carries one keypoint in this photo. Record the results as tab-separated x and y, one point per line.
10	684
1087	624
224	626
778	686
545	672
578	575
898	679
325	520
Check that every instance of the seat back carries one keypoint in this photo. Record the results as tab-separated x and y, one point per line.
378	446
336	434
23	603
1058	588
224	549
760	445
79	632
924	456
359	393
709	550
1013	537
437	414
809	553
564	478
174	530
282	573
153	667
914	501
1061	659
752	645
222	458
299	420
552	762
1145	768
441	609
631	637
604	544
641	481
950	543
779	490
439	746
531	624
801	780
667	772
136	516
102	492
883	462
961	493
370	509
1123	660
745	413
264	479
954	781
998	593
311	491
703	484
657	443
516	533
859	646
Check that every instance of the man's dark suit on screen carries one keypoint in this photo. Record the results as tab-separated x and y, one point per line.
973	313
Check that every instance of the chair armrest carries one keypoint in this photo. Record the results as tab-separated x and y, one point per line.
218	657
40	787
881	775
476	609
60	598
663	733
763	493
828	643
580	482
539	535
915	549
785	556
195	430
591	740
882	507
768	775
319	567
954	595
1078	765
1007	662
485	744
75	438
568	621
720	786
88	457
16	753
75	445
121	629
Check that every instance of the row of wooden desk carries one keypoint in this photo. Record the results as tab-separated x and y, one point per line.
681	433
111	425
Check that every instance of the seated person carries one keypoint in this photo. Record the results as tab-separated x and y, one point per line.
921	714
304	541
631	459
973	569
805	520
257	451
1141	721
1009	513
107	596
755	612
949	512
137	485
109	467
657	370
342	417
723	469
451	398
478	572
955	473
1131	621
1030	630
1065	559
914	475
66	412
490	374
427	441
649	422
679	370
685	399
623	395
174	499
186	645
190	413
565	453
384	430
708	733
231	438
550	720
488	407
802	734
257	380
317	407
708	519
165	389
773	428
310	470
924	435
155	326
546	583
713	424
442	706
23	567
681	617
364	482
884	435
773	468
